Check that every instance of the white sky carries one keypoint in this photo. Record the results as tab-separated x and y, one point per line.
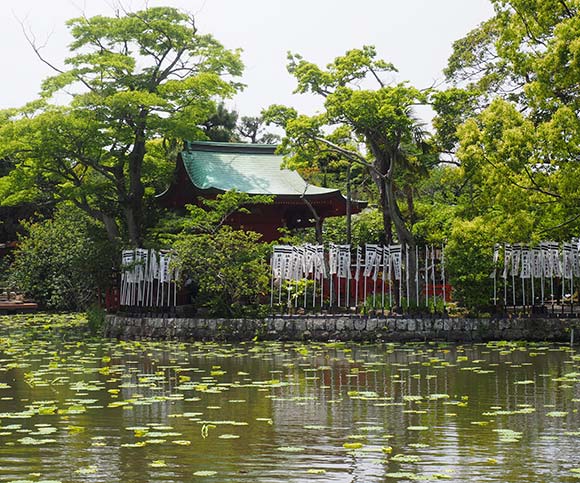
415	35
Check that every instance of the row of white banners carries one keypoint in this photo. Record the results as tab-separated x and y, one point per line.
291	262
338	265
548	259
546	273
147	279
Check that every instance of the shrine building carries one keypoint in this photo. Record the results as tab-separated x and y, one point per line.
207	169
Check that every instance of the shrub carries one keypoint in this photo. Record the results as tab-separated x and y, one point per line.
95	319
469	263
229	268
63	261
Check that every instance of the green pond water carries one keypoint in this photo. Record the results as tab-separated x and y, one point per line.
80	409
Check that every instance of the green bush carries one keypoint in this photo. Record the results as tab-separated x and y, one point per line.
63	261
226	269
95	319
229	268
469	263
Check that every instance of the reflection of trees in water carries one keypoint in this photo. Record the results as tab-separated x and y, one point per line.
340	389
487	379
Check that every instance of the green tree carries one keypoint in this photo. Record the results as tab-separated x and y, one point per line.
469	264
440	198
526	53
134	78
252	129
221	125
228	266
374	128
63	261
514	115
511	119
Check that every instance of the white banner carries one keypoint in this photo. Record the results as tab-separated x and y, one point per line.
568	260
378	261
370	257
507	258
309	255
319	262
386	261
344	261
164	260
333	259
495	260
516	259
359	262
396	258
297	264
537	265
526	271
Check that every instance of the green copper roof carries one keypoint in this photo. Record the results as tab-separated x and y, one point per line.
247	168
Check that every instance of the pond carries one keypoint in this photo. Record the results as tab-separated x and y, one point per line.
80	409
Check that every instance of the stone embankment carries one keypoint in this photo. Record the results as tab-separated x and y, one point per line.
327	328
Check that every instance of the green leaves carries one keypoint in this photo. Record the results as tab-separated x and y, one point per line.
513	119
229	267
63	261
210	217
371	128
134	78
355	65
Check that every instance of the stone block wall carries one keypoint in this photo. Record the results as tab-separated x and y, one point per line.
340	328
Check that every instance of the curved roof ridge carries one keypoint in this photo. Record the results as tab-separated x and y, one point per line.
230	147
253	169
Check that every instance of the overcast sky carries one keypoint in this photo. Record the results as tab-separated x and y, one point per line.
415	35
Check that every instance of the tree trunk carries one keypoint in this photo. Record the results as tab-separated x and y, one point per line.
317	220
410	204
134	207
382	166
387	218
413	276
132	215
111	227
106	219
405	237
385	164
348	208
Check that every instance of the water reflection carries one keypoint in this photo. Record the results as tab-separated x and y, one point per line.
97	410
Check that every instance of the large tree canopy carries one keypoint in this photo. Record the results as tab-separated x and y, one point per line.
365	122
141	77
513	116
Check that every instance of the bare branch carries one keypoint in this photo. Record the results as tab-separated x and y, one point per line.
450	161
527	27
566	8
29	36
375	75
36	48
168	70
571	220
540	189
